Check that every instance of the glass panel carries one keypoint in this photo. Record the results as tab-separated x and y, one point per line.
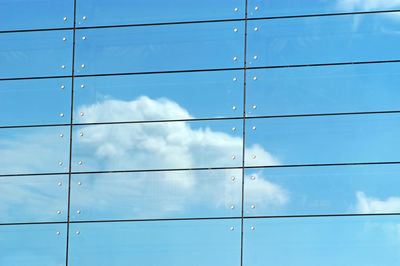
165	145
176	194
160	48
34	245
323	139
36	14
315	190
30	54
33	198
330	241
159	97
175	243
103	12
326	39
273	8
34	150
324	89
36	101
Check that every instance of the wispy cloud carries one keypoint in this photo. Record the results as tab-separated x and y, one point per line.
367	204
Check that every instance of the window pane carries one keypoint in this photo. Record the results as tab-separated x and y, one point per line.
176	194
324	89
273	8
36	245
36	14
37	101
175	243
31	54
160	48
330	241
159	97
323	139
326	39
122	12
165	145
33	198
34	150
315	190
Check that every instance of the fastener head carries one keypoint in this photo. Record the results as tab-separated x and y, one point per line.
234	58
255	57
78	212
254	106
62	115
232	207
60	163
65	18
234	79
233	178
252	206
234	107
233	157
255	28
64	39
59	184
63	66
235	30
79	183
77	232
233	128
254	78
236	9
252	227
58	212
61	135
84	38
81	114
254	128
62	86
232	228
82	85
256	8
58	233
80	162
80	134
253	156
83	65
253	177
84	17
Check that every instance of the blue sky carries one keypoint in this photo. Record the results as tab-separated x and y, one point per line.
216	94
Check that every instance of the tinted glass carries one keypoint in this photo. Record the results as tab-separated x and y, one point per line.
29	54
273	8
36	245
34	150
174	243
159	97
163	194
38	101
315	190
324	89
331	241
166	145
160	48
36	14
326	39
33	198
323	139
102	12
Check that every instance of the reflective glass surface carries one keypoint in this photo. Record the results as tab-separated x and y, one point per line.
36	245
323	89
103	12
36	14
159	96
34	150
176	194
165	145
37	101
35	54
326	39
323	139
315	190
330	241
172	243
273	8
160	48
33	198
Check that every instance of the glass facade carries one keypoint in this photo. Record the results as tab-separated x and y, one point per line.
231	132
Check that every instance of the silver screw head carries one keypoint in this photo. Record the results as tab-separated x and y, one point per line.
234	107
62	114
60	163
253	177
79	183
83	65
84	17
254	128
255	57
62	86
80	134
84	38
252	206
82	85
58	212
78	212
81	114
233	157
63	66
256	8
236	9
61	135
77	232
255	28
232	228
64	39
252	227
59	184
254	106
80	162
235	30
235	79
65	18
58	233
233	128
234	58
254	78
232	207
233	178
253	156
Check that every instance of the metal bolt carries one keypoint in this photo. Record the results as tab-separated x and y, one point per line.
236	9
253	156
63	66
59	184
234	107
81	114
255	57
58	212
78	212
235	29
232	207
60	163
64	38
62	86
77	232
253	177
254	127
84	17
65	18
80	134
58	233
255	29
61	135
232	228
83	65
79	183
256	8
254	78
84	38
82	86
233	157
233	128
80	162
234	79
233	178
252	227
62	115
254	106
252	206
234	58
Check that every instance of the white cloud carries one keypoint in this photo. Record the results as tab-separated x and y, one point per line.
367	5
373	205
